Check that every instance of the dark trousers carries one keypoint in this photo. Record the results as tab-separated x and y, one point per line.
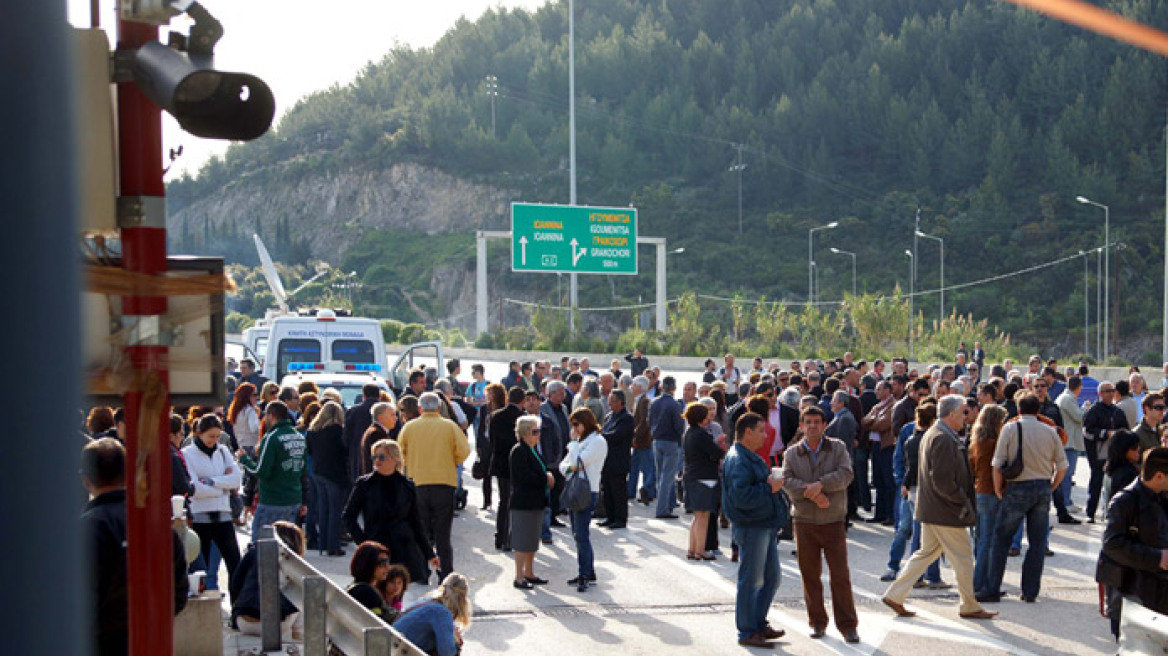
436	510
712	526
222	534
882	479
813	544
614	492
486	492
503	514
859	488
1095	486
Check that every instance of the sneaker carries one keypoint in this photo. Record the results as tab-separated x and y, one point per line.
940	585
890	575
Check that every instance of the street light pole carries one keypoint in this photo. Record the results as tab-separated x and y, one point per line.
1106	271
853	256
573	288
912	283
492	91
1086	304
811	260
942	242
739	167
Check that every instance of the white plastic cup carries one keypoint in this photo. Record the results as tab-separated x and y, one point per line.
195	579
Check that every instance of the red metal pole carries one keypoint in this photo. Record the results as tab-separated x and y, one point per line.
150	583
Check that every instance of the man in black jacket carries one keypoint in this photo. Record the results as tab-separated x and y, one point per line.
618	433
1136	538
502	439
1099	424
357	420
103	467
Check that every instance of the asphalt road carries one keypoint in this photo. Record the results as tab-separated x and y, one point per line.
651	600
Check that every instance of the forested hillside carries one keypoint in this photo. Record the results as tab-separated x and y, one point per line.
988	118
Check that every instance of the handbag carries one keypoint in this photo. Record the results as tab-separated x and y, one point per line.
577	494
478	470
1013	468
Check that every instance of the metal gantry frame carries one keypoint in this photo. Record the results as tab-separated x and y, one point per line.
481	303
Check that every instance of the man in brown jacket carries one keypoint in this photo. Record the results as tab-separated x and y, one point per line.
816	475
946	509
877	430
384	422
641	463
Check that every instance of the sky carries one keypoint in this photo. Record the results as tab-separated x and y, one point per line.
298	47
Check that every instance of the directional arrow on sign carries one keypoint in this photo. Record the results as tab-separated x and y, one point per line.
577	254
523	250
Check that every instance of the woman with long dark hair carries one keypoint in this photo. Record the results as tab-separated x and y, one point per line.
244	417
215	475
496	399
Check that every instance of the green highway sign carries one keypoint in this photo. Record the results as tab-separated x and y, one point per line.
573	239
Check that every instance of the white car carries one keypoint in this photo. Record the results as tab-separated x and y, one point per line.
348	381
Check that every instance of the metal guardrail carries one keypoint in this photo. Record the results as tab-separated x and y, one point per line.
329	612
1143	632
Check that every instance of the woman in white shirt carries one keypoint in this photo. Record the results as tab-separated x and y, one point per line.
214	474
587	450
245	418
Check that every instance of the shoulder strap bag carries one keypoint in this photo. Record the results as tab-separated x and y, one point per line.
1013	468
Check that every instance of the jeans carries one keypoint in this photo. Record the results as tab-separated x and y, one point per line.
667	458
987	523
580	521
330	503
1065	486
758	578
882	478
906	528
266	515
859	487
641	464
1029	500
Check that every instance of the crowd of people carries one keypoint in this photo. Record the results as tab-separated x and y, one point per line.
954	458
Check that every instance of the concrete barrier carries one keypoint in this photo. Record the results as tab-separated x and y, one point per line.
198	629
1142	632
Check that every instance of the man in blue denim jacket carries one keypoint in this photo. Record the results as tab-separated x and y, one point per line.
752	502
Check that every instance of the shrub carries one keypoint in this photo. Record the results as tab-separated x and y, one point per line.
391	330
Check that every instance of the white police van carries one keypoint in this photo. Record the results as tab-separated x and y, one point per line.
326	343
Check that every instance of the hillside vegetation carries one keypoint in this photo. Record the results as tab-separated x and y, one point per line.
988	118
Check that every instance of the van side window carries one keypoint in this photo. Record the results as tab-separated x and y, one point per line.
354	351
296	350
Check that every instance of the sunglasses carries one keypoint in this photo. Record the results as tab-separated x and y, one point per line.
382	561
1159	407
535	431
379	457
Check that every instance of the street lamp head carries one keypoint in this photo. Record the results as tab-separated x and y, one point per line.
908	252
833	224
921	234
835	250
1082	199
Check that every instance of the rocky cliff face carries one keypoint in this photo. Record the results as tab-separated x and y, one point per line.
334	210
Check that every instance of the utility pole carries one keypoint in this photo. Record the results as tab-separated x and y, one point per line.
739	167
492	83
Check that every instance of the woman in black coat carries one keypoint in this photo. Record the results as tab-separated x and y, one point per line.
388	503
530	482
1123	462
330	473
700	475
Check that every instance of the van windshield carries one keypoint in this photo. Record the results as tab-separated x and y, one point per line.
354	351
296	350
